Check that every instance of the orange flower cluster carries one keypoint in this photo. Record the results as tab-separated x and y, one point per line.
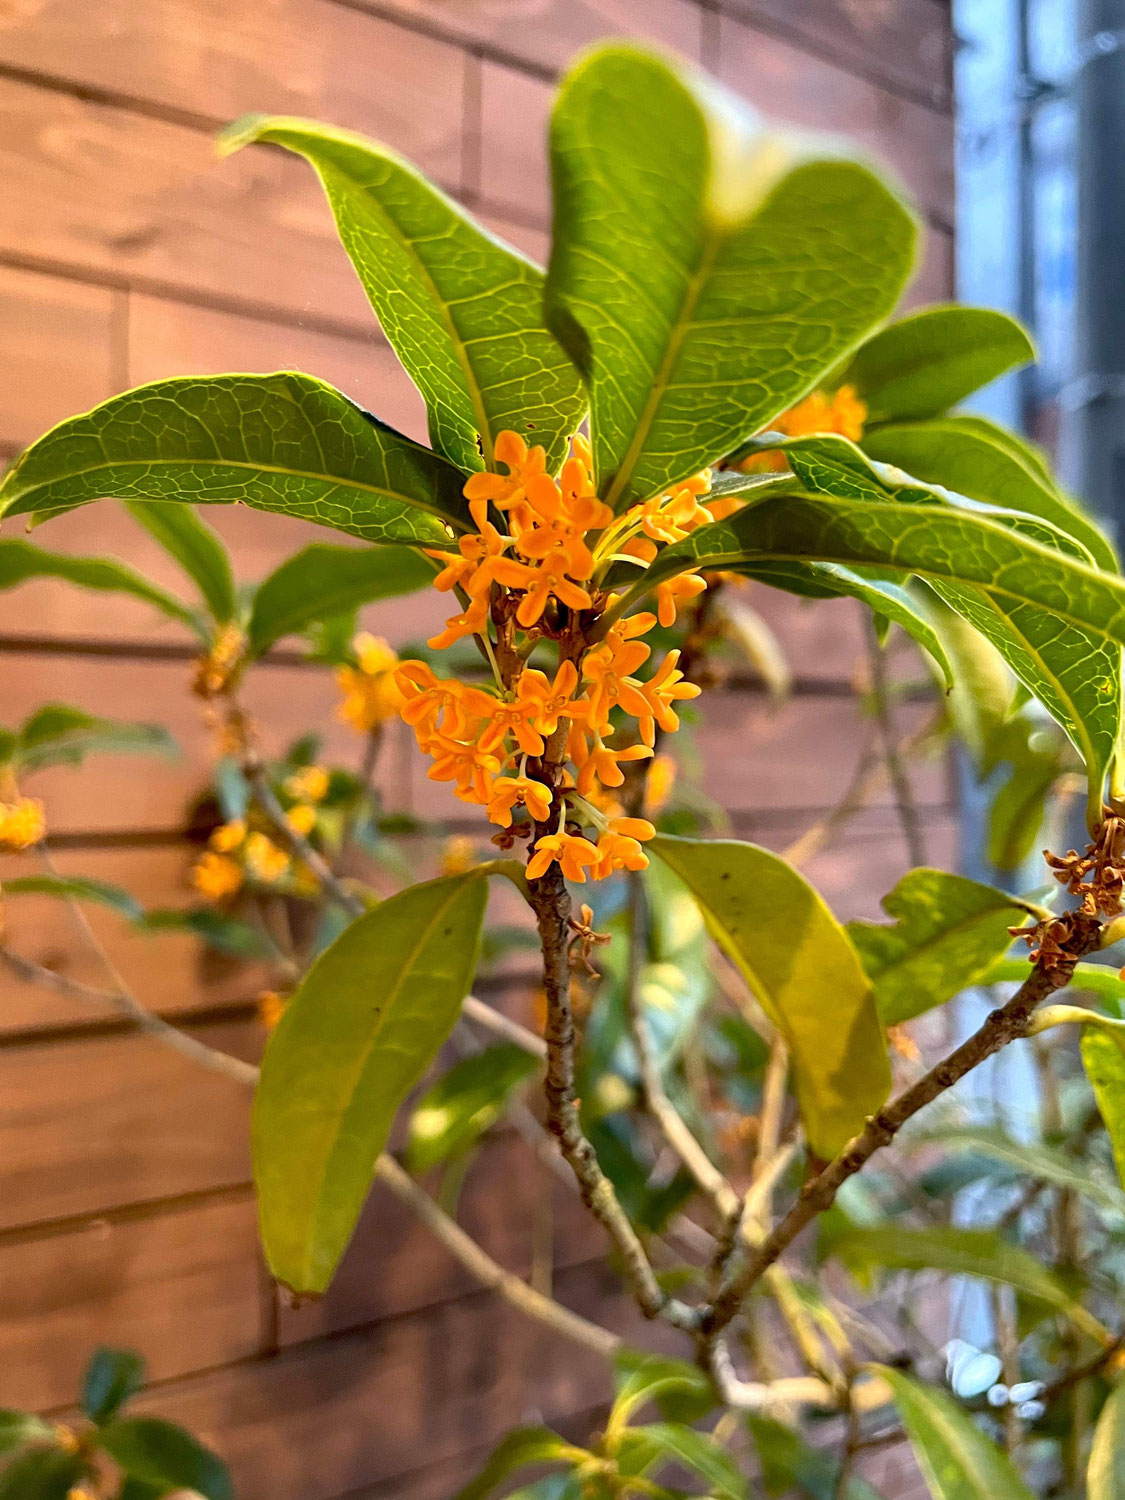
541	579
841	412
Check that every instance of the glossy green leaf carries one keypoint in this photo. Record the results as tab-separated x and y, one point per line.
76	888
804	971
969	456
18	1428
519	1449
1104	1061
957	1461
930	360
21	561
158	1452
947	931
464	1103
704	274
1105	1474
958	1252
111	1377
197	549
58	734
42	1474
284	442
1048	614
357	1035
689	1448
885	598
322	581
463	311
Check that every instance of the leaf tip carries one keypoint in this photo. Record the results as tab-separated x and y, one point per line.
241	132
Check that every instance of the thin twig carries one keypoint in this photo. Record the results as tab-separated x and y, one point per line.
1001	1027
707	1175
896	770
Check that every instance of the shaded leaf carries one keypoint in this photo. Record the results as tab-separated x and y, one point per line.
930	360
519	1449
790	1463
76	888
322	581
223	933
463	311
196	548
958	1252
158	1452
58	734
20	561
42	1474
284	442
804	971
1105	1475
947	931
18	1428
1035	1160
365	1023
704	275
112	1376
957	1461
464	1103
698	1451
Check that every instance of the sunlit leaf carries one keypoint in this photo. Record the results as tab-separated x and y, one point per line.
689	1448
463	311
947	931
957	1461
704	274
322	581
464	1103
356	1036
284	442
196	548
930	360
1105	1475
804	972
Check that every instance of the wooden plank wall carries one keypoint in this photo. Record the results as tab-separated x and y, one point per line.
129	252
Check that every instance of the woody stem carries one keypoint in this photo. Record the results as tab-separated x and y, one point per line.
550	901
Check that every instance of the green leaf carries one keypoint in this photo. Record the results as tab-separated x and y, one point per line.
58	734
1104	1061
790	1463
464	1103
322	581
158	1452
284	442
18	1428
519	1449
947	932
957	1461
112	1376
20	561
679	1390
1035	1160
1098	979
196	548
704	275
76	888
1047	613
224	934
42	1474
463	311
804	971
970	456
981	700
958	1252
929	361
1105	1475
357	1035
698	1451
1017	811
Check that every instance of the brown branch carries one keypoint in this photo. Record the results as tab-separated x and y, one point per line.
1001	1027
550	901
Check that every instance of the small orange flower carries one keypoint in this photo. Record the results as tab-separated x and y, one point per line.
469	622
616	851
509	491
517	716
216	876
603	763
842	413
607	668
665	687
507	791
467	766
671	592
574	855
430	702
547	580
371	695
